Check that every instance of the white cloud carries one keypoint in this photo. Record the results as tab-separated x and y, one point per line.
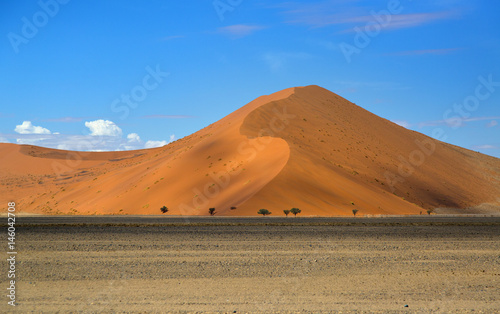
486	147
28	128
65	119
103	128
346	13
442	51
153	144
171	37
167	116
276	61
63	147
133	138
28	141
492	124
105	136
239	30
458	122
403	123
133	142
85	142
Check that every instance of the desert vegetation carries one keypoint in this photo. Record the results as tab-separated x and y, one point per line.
264	212
295	211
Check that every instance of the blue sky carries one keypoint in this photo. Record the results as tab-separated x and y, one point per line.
108	75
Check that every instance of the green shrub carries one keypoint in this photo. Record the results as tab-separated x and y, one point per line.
264	212
295	211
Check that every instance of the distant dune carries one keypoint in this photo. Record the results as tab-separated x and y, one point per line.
302	147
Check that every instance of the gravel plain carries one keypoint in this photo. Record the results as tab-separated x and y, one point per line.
261	265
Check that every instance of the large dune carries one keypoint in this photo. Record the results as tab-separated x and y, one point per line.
302	147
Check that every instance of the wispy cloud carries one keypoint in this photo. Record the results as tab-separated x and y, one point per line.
278	60
239	30
346	13
492	123
415	19
167	116
66	119
4	115
166	38
326	44
424	52
453	122
83	142
355	86
487	146
395	22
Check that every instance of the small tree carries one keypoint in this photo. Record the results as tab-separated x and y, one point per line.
164	209
263	212
233	207
286	211
354	212
429	211
211	211
295	211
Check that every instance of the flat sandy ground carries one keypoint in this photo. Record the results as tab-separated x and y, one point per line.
265	264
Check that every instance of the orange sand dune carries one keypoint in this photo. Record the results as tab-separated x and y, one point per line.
302	147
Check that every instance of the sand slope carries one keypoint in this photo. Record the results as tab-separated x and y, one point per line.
302	147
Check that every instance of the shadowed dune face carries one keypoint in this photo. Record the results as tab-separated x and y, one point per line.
302	147
342	154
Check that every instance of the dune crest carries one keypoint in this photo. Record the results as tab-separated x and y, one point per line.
301	147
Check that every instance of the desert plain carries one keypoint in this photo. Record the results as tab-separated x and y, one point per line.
90	238
138	264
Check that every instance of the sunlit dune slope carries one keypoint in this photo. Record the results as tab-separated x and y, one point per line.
302	147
